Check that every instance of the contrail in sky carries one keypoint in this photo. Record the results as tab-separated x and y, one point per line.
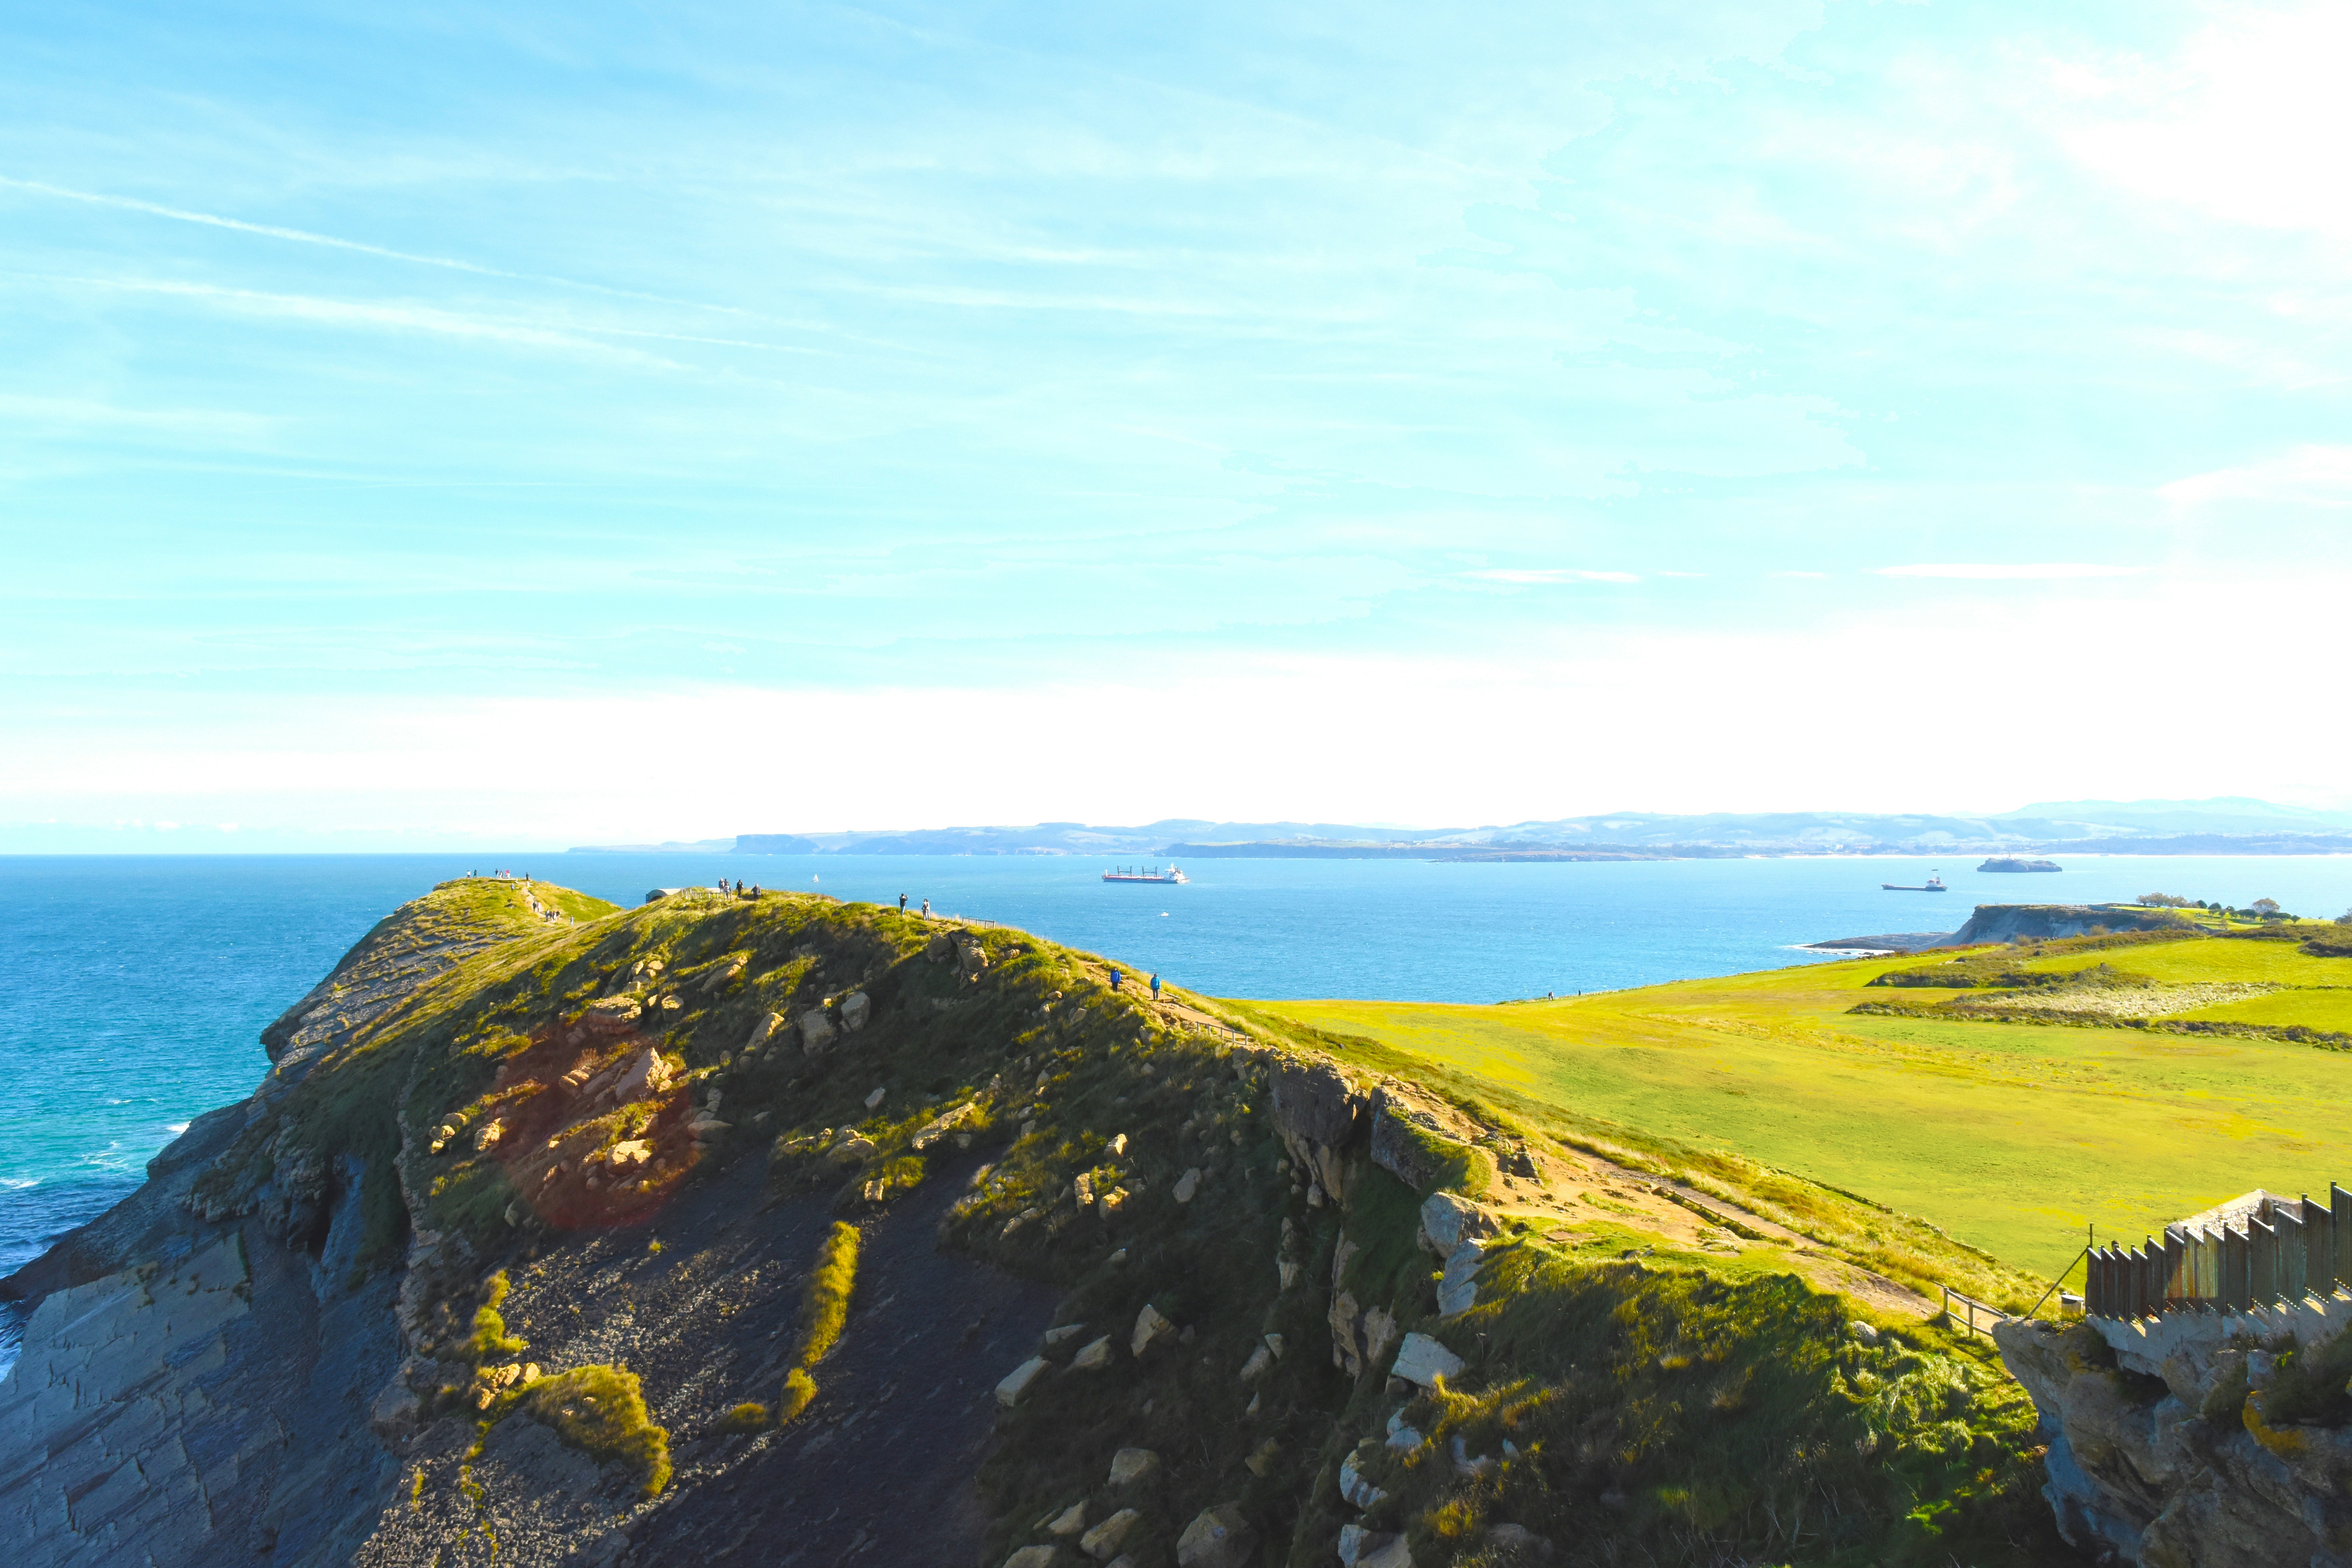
304	236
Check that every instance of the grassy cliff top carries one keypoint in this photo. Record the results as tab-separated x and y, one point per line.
1657	1350
2007	1095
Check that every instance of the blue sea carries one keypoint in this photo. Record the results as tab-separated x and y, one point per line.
136	986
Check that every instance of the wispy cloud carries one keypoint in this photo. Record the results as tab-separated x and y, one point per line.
381	316
271	231
1549	574
2311	476
2009	570
334	242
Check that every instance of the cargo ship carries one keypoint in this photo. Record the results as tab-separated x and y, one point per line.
1128	874
1932	885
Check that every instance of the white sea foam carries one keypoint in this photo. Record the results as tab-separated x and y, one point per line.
18	1184
176	1128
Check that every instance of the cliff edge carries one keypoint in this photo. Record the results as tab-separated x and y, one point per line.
2200	1439
773	1229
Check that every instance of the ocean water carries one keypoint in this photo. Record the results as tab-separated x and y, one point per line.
136	986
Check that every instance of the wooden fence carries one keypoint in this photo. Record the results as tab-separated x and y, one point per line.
2280	1249
1977	1317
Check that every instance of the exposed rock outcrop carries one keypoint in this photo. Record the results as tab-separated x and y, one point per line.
1320	1114
2159	1451
2002	922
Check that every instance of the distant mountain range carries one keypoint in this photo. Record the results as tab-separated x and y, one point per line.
2228	824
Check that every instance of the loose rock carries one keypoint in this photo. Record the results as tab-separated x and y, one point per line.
1457	1289
1071	1520
1102	1541
1424	1361
1186	1184
1218	1537
1093	1357
1448	1220
1016	1381
939	1126
1355	1488
1148	1326
1132	1466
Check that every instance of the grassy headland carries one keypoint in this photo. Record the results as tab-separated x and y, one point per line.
2011	1136
1652	1353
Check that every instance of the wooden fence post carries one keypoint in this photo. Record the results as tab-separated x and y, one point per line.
2262	1262
2339	1203
2293	1254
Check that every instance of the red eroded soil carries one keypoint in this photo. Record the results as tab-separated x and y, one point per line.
551	1127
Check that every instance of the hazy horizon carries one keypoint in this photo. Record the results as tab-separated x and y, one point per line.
2227	815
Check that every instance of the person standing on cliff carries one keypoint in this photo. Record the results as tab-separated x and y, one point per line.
1155	988
927	909
902	904
1114	979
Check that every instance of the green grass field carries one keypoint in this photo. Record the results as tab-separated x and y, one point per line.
2217	958
2011	1137
2329	1010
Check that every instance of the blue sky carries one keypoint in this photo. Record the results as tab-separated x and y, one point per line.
608	423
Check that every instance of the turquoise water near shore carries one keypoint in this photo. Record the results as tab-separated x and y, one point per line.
137	985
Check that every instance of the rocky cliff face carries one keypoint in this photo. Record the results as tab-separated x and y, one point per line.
2045	922
2160	1450
516	1254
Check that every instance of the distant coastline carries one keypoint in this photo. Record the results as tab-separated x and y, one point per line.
1455	854
2225	826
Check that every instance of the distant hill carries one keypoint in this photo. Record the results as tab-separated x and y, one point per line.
2229	825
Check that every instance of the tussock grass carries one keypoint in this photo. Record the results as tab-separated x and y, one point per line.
599	1411
824	1310
490	1338
824	1304
799	1389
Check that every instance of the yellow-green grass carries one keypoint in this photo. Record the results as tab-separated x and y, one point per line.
2235	960
2011	1137
2314	1009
